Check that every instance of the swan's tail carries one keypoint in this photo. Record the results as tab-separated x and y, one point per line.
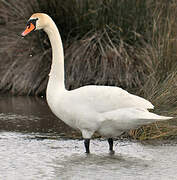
148	115
129	118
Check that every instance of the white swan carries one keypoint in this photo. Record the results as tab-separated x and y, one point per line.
105	109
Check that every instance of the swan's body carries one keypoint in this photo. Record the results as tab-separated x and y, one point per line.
108	110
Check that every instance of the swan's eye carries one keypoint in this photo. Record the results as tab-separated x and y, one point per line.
31	26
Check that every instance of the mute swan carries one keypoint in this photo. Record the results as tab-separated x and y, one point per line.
105	109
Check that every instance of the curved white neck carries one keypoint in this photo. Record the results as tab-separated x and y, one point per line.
56	76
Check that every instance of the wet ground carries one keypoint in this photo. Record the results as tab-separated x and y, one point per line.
36	145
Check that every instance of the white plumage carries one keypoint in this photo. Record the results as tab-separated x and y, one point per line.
108	110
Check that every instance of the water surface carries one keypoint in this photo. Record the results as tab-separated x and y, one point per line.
34	145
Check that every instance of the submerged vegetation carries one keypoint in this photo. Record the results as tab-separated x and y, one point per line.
127	43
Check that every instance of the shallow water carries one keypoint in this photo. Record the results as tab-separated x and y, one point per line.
34	145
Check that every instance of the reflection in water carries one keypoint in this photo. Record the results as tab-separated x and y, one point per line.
32	147
29	114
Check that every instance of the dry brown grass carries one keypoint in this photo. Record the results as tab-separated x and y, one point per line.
96	59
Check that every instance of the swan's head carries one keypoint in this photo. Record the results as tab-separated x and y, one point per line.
36	22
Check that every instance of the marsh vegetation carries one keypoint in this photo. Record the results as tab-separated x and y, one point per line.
130	44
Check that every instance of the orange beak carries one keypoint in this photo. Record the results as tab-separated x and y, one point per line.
28	29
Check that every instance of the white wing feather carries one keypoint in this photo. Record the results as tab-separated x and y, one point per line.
108	98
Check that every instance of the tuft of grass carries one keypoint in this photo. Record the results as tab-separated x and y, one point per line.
130	44
167	130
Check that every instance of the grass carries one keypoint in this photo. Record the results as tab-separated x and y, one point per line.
130	44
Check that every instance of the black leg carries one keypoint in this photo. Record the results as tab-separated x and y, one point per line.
87	144
110	141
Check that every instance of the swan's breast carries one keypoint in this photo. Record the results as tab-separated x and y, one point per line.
73	111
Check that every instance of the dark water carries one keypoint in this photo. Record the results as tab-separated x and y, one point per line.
36	145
